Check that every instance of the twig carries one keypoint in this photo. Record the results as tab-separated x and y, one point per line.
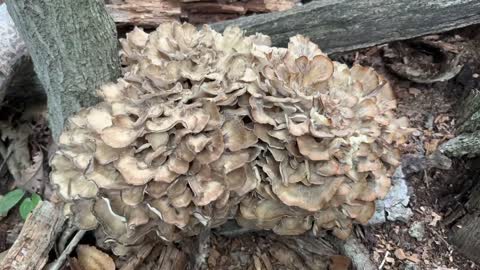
384	260
67	233
60	260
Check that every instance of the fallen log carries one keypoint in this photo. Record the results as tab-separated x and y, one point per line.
150	14
30	250
344	25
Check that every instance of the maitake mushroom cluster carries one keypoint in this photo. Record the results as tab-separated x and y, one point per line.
205	127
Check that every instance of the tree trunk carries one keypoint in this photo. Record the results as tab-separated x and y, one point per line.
341	25
13	52
465	221
74	49
466	232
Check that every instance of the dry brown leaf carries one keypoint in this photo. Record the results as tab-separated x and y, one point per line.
431	146
90	258
32	176
435	219
400	254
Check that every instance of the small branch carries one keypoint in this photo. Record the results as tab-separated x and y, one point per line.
30	250
67	233
71	246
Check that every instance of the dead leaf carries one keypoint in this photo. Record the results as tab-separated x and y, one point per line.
431	146
400	254
90	258
436	218
32	177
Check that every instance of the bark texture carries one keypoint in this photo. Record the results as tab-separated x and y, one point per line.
341	25
30	250
74	48
13	52
466	233
465	144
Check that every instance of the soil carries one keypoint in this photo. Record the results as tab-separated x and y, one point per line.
436	194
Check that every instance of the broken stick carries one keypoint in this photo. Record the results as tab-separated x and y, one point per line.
30	250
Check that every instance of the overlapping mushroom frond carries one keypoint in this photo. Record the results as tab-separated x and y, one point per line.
205	127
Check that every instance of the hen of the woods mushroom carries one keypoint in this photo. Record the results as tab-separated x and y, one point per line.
205	127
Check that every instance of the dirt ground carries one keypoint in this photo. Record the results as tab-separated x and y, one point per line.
435	193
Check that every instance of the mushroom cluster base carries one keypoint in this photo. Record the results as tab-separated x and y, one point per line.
205	127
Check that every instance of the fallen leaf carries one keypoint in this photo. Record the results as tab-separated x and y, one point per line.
90	258
31	178
435	219
431	146
400	254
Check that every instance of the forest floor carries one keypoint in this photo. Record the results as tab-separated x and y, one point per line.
436	194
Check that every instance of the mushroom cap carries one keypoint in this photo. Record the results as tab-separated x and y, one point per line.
204	127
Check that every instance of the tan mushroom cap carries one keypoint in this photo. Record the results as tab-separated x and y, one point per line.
205	127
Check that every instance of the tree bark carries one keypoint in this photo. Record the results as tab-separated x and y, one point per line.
342	25
13	52
74	49
465	233
30	250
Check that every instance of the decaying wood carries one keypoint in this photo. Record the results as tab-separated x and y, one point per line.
466	231
150	14
74	49
343	25
143	12
30	250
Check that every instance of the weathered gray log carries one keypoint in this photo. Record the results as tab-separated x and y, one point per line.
465	232
466	144
30	250
73	44
342	25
